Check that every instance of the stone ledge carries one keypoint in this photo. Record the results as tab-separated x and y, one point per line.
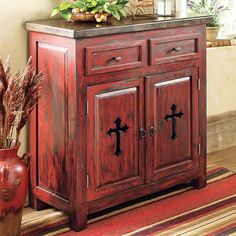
221	131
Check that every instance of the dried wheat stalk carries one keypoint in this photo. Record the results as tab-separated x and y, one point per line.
18	96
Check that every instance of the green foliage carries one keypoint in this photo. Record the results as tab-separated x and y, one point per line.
116	8
64	9
55	11
208	7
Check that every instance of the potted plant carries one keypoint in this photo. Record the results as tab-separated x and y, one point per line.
209	7
18	96
91	10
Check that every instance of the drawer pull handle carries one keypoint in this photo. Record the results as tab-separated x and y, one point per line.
178	49
152	131
142	133
116	59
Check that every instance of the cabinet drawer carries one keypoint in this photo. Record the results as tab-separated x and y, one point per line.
174	48
114	57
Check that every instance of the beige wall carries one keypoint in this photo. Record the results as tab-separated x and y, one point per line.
13	37
221	80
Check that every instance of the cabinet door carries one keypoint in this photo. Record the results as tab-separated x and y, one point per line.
114	149
172	123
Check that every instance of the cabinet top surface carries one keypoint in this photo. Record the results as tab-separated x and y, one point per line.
78	30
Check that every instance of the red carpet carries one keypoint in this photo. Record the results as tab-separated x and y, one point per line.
179	211
164	209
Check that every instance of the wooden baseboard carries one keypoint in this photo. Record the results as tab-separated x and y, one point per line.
221	131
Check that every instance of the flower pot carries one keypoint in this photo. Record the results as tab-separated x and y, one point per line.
13	190
212	33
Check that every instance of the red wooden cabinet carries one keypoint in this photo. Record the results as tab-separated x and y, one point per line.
121	116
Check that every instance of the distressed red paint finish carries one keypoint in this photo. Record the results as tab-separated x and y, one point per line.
135	77
13	190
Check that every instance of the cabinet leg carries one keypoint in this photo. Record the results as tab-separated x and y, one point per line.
77	223
36	204
199	183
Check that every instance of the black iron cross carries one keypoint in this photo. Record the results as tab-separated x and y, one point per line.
173	117
118	130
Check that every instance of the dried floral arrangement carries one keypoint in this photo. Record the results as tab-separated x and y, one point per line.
19	94
208	7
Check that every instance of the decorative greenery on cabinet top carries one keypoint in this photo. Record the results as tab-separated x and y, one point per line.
101	9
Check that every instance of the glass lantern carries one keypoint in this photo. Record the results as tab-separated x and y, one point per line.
165	7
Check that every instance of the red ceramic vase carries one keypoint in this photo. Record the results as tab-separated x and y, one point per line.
13	190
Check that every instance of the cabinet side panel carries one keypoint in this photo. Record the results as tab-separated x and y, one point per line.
52	120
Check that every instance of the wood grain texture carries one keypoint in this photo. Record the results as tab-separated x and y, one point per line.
54	133
140	191
109	173
146	69
225	158
175	48
53	120
75	163
168	156
115	57
201	180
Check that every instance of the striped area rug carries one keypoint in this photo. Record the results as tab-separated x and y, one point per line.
178	211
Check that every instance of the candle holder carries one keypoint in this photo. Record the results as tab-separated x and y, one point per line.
165	7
